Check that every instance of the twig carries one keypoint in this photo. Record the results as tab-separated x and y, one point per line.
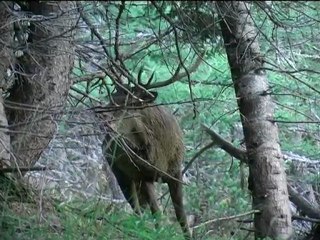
103	44
88	77
314	220
226	218
178	53
24	169
147	44
210	145
84	94
248	230
290	122
127	147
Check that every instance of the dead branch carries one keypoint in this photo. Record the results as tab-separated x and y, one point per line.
303	204
103	44
146	45
85	94
225	145
300	218
116	43
187	73
24	169
292	157
89	77
226	218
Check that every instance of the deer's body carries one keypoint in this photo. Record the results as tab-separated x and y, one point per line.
155	133
146	146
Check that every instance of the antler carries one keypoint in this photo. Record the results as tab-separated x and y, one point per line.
144	86
177	75
140	81
126	94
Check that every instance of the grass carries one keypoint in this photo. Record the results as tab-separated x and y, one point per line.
80	220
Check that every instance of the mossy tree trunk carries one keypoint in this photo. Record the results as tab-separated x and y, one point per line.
267	179
7	60
43	81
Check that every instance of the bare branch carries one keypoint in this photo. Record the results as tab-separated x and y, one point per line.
227	218
303	204
124	71
202	150
147	44
313	220
116	43
84	94
178	53
88	77
225	145
267	10
24	169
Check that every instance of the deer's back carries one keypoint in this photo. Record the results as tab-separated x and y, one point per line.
155	133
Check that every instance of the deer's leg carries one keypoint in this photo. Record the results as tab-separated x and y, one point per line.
135	198
149	190
128	188
142	195
147	196
175	189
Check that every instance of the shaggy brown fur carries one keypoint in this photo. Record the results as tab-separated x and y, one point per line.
144	146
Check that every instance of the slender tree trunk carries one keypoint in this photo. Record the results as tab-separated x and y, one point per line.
267	179
6	61
40	92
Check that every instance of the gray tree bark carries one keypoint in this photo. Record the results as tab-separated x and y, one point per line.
40	92
267	179
7	59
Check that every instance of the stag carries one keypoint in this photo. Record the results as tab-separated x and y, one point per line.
144	145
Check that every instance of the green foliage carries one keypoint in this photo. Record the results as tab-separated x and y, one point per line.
84	220
206	98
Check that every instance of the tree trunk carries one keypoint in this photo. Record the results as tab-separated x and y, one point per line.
40	91
7	59
267	179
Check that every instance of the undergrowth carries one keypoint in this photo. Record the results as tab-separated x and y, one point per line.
80	220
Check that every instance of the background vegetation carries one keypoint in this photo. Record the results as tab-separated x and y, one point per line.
216	183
